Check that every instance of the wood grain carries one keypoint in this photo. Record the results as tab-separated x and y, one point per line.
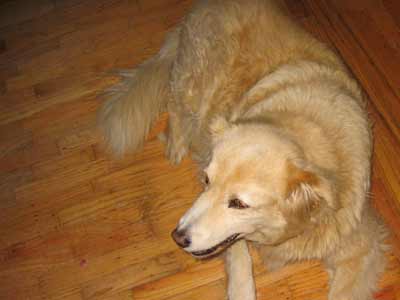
76	224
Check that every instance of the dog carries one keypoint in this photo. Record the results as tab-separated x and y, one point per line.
279	127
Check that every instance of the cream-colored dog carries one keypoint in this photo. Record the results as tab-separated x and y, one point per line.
279	127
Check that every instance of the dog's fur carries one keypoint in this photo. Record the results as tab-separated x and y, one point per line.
277	123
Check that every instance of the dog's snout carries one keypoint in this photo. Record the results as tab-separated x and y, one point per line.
180	237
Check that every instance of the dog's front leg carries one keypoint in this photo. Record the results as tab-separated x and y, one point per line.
240	272
354	277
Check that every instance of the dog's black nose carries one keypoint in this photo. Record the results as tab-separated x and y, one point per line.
181	238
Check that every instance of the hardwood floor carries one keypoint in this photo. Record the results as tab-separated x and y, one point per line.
75	224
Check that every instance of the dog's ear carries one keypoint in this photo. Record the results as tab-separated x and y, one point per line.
218	127
307	189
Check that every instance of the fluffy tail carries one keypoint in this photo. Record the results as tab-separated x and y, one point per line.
135	103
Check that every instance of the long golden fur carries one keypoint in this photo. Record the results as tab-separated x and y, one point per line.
279	127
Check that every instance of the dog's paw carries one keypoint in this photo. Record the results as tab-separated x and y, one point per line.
175	150
241	294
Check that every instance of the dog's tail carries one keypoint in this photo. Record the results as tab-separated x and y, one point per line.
126	118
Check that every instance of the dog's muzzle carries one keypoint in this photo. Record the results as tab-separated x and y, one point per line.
213	250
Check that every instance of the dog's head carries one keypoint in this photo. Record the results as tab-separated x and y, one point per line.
258	186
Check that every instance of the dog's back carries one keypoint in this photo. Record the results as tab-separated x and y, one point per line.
206	65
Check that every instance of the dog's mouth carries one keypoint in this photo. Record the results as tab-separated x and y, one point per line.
213	250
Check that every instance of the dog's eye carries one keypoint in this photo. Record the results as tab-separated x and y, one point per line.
237	203
207	180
